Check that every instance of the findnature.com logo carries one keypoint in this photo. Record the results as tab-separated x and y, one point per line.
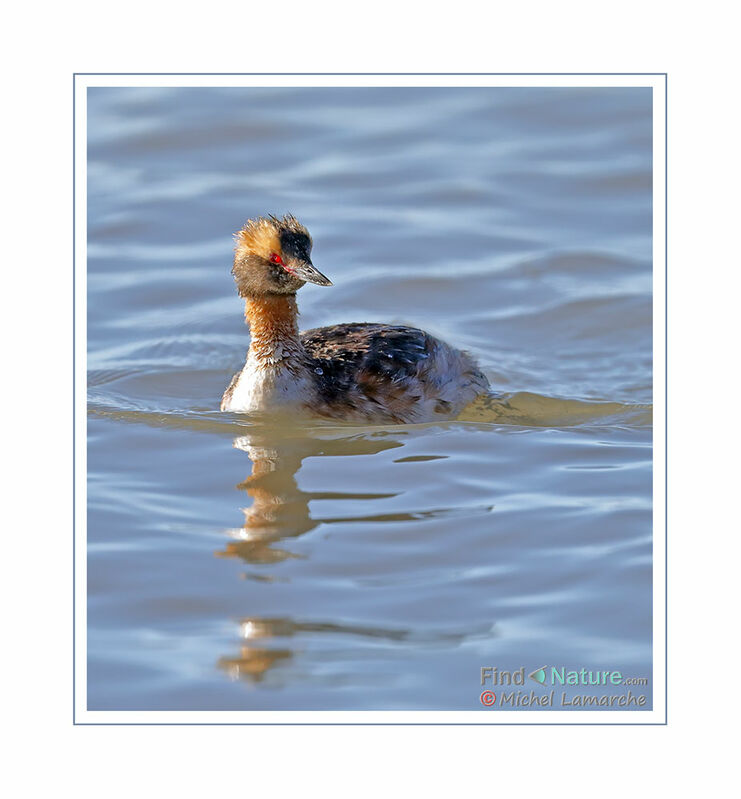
560	676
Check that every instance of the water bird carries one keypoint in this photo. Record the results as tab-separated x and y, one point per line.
363	372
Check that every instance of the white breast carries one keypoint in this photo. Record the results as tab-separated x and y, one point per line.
262	389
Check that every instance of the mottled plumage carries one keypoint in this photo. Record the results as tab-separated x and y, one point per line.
389	372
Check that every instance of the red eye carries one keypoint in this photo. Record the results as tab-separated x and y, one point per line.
276	259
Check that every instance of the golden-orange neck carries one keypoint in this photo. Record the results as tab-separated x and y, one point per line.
273	321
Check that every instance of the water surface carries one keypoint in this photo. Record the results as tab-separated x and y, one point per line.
237	566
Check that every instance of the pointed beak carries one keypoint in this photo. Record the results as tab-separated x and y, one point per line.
305	270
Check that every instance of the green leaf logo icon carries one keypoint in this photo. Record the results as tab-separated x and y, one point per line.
538	675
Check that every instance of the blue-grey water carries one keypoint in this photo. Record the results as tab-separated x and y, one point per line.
237	566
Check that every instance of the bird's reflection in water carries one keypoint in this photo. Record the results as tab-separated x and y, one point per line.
279	508
254	661
279	511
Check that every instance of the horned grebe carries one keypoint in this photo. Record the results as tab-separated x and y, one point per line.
361	372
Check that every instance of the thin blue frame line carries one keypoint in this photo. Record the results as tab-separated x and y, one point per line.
218	74
666	399
74	399
365	723
666	436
